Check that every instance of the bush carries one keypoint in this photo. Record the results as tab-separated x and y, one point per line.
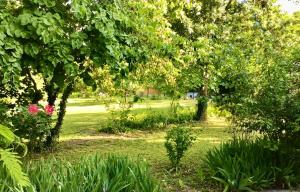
117	125
245	165
178	141
119	119
92	173
33	124
268	104
123	120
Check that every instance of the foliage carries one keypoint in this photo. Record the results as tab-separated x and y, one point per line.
46	47
260	89
124	119
179	114
4	111
247	165
178	141
120	119
33	127
9	160
227	45
92	173
214	110
267	99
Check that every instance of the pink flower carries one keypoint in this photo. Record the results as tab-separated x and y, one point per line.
33	109
49	109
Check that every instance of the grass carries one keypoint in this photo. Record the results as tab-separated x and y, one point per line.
84	120
80	137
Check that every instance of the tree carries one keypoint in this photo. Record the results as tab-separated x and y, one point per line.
198	23
224	36
60	41
259	85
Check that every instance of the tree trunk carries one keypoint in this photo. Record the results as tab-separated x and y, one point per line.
54	133
37	94
52	93
201	114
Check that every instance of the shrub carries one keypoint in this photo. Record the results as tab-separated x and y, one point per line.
120	119
178	141
33	124
246	165
183	115
123	120
268	104
153	119
92	173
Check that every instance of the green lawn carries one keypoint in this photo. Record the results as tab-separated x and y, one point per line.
80	137
86	117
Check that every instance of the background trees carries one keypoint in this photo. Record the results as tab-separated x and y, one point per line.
230	42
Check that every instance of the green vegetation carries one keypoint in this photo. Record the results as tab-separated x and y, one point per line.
81	139
94	173
148	68
10	161
86	116
123	119
178	141
32	128
247	165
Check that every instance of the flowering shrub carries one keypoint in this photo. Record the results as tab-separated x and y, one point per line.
49	109
33	124
33	109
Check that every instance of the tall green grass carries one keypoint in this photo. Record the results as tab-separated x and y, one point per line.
90	174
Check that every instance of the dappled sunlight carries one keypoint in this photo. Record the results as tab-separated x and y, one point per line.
144	139
207	92
103	109
96	137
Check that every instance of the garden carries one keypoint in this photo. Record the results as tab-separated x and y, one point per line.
149	96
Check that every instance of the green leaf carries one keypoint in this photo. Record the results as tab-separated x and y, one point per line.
12	164
8	135
25	18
